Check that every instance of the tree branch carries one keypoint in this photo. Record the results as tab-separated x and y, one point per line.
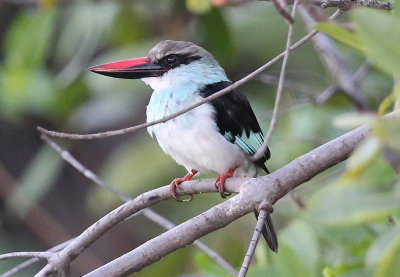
40	255
262	217
150	214
341	4
267	189
347	4
29	262
147	199
279	90
336	65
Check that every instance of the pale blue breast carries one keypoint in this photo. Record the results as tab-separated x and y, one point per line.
168	101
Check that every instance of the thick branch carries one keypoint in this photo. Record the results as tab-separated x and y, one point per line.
147	199
348	4
153	216
253	192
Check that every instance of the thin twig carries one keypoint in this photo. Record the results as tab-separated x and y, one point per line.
30	262
40	255
347	4
266	189
326	94
282	10
253	191
262	217
330	91
297	200
336	66
342	4
205	100
316	14
150	214
279	90
146	199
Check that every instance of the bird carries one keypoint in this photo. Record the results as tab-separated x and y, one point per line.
219	136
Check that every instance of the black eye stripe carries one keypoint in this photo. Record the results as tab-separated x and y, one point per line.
175	60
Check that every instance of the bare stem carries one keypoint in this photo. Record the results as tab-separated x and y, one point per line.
150	214
274	118
40	255
30	262
262	217
348	4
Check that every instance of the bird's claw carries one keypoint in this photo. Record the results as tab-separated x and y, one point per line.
220	182
172	188
175	184
219	185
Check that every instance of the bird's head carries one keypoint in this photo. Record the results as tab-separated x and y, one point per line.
169	63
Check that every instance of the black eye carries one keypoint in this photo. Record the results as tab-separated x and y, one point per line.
171	60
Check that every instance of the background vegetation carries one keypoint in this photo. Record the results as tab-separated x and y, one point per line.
349	225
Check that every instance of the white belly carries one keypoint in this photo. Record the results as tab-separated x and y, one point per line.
193	141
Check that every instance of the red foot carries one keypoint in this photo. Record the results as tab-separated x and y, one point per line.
220	181
175	184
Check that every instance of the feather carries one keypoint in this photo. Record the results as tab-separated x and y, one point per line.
236	120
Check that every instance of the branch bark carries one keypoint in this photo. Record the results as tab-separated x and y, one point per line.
267	189
150	214
348	4
262	217
341	4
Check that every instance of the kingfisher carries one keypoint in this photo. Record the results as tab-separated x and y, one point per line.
219	136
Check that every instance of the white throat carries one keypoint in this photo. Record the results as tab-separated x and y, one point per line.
196	74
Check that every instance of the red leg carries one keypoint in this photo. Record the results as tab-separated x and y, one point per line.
175	184
220	181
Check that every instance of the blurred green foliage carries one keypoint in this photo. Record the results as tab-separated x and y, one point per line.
350	225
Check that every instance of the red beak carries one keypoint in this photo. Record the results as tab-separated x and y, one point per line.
130	69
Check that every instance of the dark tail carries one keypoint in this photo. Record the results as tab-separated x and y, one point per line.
268	233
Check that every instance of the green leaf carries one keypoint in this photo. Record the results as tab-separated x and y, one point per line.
208	266
26	90
169	265
198	6
384	254
327	272
301	238
340	34
379	34
365	154
26	42
353	201
279	265
128	26
35	182
393	97
386	103
285	257
347	206
388	131
396	93
217	36
353	120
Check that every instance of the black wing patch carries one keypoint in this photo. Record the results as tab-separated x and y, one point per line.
236	120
